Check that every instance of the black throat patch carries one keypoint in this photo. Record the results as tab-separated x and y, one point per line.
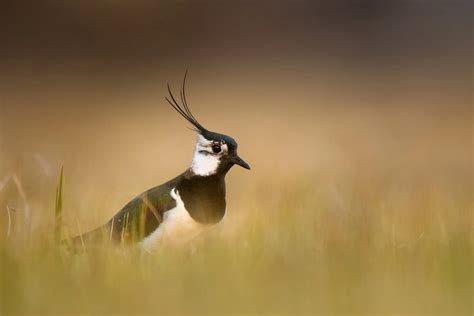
203	197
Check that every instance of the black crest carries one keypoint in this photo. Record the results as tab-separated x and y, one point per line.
183	109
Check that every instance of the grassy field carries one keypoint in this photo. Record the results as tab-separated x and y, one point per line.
347	211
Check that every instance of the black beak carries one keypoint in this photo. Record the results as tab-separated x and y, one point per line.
239	161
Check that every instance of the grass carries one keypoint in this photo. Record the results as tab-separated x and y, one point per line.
58	210
362	246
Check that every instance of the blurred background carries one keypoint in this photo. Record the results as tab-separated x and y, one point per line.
355	115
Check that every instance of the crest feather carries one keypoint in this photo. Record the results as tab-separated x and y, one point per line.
183	108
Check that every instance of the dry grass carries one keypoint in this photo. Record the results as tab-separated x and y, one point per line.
371	247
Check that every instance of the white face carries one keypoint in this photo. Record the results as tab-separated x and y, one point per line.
207	156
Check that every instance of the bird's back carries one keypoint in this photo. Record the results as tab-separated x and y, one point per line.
142	215
136	220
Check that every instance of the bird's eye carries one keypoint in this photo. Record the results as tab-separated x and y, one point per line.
216	148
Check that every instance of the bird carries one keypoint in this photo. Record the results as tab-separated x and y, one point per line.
181	208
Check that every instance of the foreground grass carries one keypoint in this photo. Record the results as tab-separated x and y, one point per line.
367	246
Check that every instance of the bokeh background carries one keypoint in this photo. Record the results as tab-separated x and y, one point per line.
356	117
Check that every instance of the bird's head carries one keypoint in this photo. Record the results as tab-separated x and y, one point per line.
215	152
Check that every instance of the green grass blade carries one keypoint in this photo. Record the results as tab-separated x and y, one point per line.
59	206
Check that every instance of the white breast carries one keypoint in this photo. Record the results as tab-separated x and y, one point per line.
177	228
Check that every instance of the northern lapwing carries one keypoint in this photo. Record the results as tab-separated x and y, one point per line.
179	209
